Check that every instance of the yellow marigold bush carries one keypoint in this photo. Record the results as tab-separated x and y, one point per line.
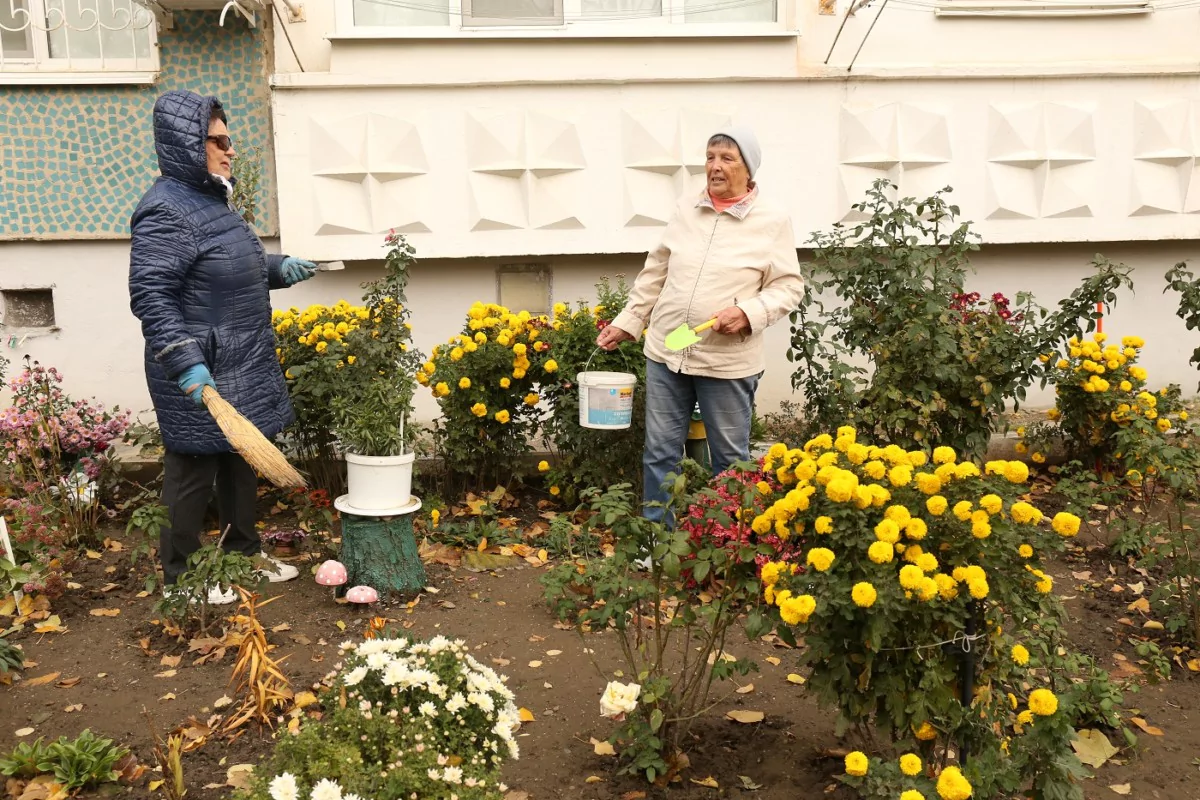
894	591
1104	414
487	380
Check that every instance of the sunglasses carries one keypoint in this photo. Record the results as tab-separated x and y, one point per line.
223	142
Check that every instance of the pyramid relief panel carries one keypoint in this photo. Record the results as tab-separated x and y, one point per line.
1166	176
525	171
1040	161
369	174
905	143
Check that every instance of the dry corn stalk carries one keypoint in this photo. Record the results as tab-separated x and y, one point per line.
251	445
258	676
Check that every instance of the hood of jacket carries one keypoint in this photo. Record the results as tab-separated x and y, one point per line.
180	134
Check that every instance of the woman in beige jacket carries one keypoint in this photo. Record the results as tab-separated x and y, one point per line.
728	255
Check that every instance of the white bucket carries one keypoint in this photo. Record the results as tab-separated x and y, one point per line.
379	483
606	399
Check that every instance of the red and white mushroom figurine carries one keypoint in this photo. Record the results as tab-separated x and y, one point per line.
362	594
332	573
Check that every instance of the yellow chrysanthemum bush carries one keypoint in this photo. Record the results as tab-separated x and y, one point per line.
587	457
312	348
1104	414
350	370
924	575
487	380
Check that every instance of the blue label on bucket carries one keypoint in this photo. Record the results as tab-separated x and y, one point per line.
613	406
598	416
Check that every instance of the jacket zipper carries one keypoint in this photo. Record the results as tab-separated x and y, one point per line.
699	274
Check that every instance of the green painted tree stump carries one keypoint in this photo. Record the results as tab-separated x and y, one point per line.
381	552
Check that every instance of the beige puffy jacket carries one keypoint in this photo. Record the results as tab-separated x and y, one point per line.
707	261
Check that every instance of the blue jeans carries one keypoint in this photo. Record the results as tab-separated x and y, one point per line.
725	404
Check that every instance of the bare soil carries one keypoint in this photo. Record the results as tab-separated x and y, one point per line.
124	688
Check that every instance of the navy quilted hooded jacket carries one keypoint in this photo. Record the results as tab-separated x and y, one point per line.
199	281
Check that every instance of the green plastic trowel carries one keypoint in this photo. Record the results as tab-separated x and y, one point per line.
684	337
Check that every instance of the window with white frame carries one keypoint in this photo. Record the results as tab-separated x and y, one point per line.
367	14
76	36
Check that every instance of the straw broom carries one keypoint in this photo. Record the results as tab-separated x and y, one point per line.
248	440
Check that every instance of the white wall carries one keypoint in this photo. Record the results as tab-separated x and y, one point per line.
99	345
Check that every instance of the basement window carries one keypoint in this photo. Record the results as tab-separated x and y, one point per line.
28	308
524	287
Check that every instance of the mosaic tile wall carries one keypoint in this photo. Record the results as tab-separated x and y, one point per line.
75	160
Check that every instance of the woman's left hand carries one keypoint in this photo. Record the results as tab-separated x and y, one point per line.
731	321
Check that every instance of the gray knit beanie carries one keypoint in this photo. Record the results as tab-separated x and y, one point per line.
747	143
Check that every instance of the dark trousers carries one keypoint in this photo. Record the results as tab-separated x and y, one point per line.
187	489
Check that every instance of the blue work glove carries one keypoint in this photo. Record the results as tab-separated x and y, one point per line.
295	270
193	380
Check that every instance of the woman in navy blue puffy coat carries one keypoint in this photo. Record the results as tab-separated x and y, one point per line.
199	281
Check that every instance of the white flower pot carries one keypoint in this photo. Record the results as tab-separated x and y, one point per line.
378	483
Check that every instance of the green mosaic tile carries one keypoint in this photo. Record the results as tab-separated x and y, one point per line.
76	159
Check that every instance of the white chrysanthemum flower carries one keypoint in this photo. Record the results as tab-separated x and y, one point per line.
283	787
456	703
452	774
326	790
354	676
427	709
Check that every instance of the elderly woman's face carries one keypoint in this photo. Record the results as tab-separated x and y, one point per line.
219	149
726	171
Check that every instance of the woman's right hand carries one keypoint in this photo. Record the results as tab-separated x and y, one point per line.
612	336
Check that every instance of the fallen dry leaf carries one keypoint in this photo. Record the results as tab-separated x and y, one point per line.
602	748
153	786
67	683
42	680
747	689
554	652
239	776
222	701
1153	625
23	731
535	664
170	673
525	714
1121	788
796	679
105	612
1147	727
52	624
1141	604
745	717
167	696
92	554
281	627
593	779
634	795
170	662
304	699
709	782
73	708
501	662
1093	748
773	661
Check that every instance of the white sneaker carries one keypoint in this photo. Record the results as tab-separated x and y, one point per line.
216	597
278	572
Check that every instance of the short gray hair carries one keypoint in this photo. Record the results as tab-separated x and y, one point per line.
722	139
